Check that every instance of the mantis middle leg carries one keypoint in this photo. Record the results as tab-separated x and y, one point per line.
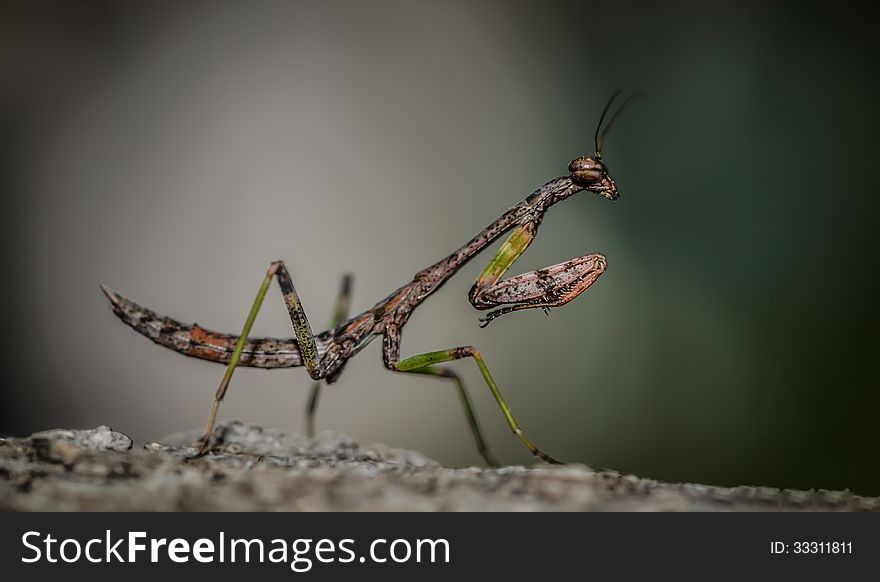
303	331
426	364
544	288
447	373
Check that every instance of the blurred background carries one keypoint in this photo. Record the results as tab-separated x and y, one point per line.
172	150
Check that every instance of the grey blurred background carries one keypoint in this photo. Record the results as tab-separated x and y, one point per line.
172	150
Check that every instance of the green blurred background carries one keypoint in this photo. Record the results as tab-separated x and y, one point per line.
172	150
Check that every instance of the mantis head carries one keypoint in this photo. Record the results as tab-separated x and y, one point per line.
589	171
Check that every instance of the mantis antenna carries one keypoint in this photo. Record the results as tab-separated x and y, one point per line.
599	137
325	354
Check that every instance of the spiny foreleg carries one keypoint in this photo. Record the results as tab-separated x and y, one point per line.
544	288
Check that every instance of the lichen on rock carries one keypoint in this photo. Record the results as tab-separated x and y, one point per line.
251	468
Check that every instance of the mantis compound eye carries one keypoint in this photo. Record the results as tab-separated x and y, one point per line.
593	176
586	170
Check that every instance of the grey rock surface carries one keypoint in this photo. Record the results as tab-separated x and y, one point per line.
252	468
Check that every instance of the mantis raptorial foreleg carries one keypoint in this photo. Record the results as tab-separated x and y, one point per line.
552	286
544	288
303	331
340	313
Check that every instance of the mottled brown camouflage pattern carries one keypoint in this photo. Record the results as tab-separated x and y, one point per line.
197	342
325	355
552	286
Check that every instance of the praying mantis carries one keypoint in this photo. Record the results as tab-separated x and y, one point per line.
325	354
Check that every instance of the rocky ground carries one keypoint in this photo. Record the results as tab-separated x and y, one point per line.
252	468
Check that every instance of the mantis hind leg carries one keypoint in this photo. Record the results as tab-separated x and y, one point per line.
340	313
304	336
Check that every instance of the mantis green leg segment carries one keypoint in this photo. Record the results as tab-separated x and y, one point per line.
510	250
301	327
450	374
544	288
424	361
340	314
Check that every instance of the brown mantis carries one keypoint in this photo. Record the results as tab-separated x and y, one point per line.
324	355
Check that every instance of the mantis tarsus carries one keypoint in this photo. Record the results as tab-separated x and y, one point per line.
324	355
